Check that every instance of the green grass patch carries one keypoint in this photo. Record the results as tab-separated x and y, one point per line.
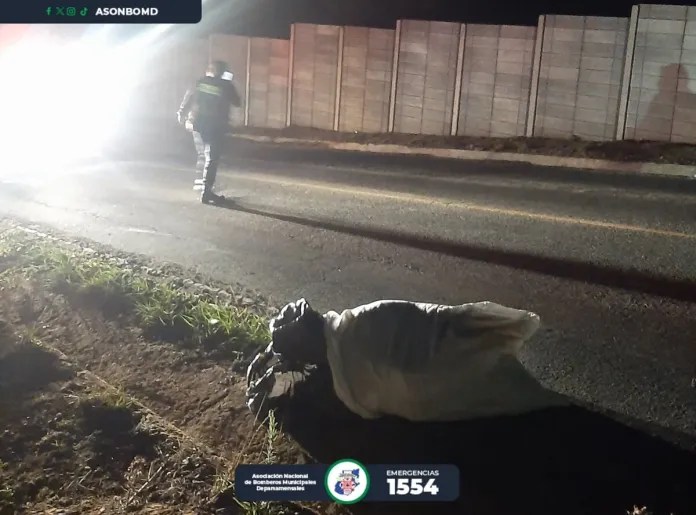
270	457
161	308
8	502
110	399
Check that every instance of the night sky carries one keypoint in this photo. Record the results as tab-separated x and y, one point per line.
272	18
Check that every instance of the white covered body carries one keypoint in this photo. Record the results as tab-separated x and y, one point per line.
430	362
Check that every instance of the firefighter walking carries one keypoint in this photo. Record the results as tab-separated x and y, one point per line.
205	113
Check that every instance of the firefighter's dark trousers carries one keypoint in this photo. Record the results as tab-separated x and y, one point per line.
209	149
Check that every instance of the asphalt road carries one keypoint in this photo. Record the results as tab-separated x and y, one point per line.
608	261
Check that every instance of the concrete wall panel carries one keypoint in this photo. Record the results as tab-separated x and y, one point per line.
496	77
663	82
366	79
426	77
579	89
314	75
268	84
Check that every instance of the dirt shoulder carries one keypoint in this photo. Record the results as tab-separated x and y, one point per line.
72	445
621	151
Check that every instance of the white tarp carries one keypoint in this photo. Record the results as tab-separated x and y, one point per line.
433	362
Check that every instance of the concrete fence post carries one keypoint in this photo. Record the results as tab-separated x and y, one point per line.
457	100
622	114
291	70
394	77
536	73
339	78
247	94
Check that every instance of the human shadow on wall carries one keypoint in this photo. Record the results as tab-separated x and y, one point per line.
669	110
556	461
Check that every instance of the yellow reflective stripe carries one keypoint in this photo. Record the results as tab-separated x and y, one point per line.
212	90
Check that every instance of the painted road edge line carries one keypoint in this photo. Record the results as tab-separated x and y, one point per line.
674	170
468	206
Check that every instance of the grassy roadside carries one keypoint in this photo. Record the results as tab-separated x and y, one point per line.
158	306
72	441
162	309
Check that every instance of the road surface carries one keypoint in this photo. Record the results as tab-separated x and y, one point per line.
609	262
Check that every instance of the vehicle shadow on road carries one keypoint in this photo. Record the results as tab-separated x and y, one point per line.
557	462
567	268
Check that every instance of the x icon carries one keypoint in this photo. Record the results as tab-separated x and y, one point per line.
60	11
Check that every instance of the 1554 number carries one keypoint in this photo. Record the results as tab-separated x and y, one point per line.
411	486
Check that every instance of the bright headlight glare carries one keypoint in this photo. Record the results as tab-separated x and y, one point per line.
62	101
